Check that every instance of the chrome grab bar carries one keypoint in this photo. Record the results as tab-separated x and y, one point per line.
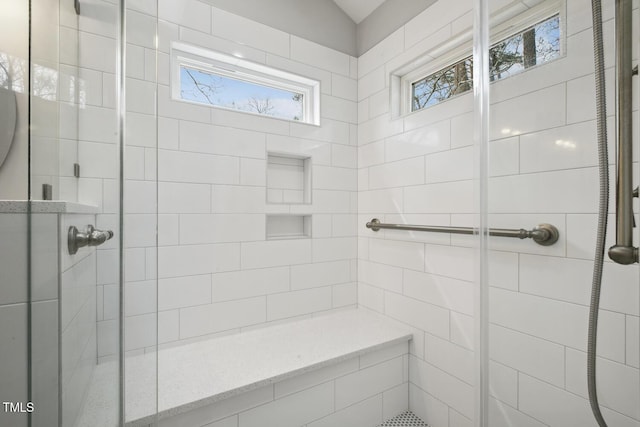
623	252
91	237
543	234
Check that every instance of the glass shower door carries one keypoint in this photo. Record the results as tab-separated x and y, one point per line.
60	307
543	170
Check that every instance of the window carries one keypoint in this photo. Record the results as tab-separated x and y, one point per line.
224	81
520	40
535	45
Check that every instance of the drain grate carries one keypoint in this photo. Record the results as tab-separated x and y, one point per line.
406	419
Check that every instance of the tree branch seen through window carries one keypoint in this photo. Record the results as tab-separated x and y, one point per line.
535	45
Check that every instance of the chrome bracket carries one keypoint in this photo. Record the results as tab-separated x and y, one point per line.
91	237
545	234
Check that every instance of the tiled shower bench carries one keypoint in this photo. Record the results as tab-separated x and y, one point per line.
348	368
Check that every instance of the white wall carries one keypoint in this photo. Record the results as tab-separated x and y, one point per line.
419	169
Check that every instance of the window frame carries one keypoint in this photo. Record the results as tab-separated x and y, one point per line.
237	68
505	23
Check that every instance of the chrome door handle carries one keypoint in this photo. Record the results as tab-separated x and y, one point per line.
91	237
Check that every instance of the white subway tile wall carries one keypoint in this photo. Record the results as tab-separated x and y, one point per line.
216	270
420	168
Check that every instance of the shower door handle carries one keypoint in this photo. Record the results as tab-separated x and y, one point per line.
91	237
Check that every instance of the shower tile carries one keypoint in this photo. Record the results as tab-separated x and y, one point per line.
534	356
380	275
426	317
141	96
397	174
617	383
97	124
382	52
168	326
337	108
244	31
365	413
344	87
189	13
292	411
449	357
13	256
179	292
141	30
371	297
97	52
504	415
204	138
174	261
403	254
222	409
319	56
442	291
371	83
424	140
176	166
291	304
319	274
330	131
395	401
567	147
444	387
368	382
378	128
344	295
503	383
221	228
249	283
275	253
138	328
224	316
183	198
633	344
334	249
443	197
427	408
422	25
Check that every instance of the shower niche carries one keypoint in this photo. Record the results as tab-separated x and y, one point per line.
288	179
288	184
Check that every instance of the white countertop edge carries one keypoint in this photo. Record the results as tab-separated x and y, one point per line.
46	206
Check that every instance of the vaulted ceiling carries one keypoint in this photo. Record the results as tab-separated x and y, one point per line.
358	10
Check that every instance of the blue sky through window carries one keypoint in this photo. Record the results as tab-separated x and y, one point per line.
222	91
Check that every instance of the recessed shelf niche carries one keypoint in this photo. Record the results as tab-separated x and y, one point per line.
288	179
281	227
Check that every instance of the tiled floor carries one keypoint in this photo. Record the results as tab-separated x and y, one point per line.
405	419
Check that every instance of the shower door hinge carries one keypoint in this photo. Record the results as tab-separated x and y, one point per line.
76	6
76	170
47	192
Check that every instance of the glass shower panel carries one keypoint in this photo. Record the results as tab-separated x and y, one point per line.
14	282
75	171
140	213
543	169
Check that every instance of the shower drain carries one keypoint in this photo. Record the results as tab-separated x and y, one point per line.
405	419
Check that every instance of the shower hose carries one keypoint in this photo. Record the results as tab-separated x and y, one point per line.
603	170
